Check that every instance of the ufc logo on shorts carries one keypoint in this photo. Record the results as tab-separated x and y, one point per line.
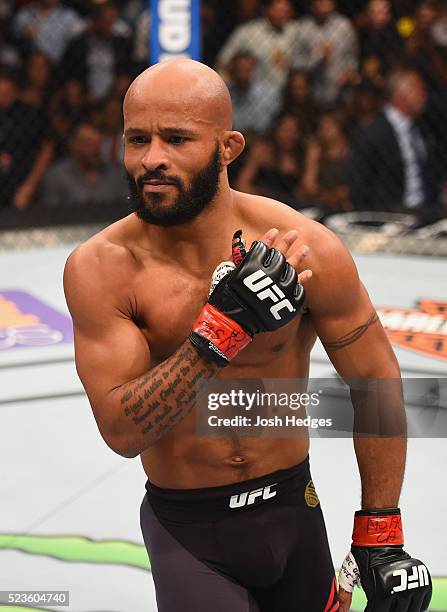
248	497
264	287
417	578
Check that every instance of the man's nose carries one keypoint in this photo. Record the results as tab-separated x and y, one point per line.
155	156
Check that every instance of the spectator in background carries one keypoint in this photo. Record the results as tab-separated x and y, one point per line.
269	39
439	28
247	10
38	80
68	108
392	165
219	19
365	105
25	146
274	165
47	26
428	58
298	101
325	178
99	58
255	101
380	43
326	48
110	122
83	178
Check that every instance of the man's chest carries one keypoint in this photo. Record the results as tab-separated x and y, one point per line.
168	308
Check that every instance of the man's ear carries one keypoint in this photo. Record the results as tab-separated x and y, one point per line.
234	144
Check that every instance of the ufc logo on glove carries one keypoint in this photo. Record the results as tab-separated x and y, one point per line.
257	282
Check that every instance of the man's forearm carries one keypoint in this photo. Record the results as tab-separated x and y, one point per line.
149	407
381	464
380	442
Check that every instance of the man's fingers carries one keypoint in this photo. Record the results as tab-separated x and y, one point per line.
304	277
269	237
284	243
297	260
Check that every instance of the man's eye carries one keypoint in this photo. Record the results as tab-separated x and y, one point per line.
138	139
177	139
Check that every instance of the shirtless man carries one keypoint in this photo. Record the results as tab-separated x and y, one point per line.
138	295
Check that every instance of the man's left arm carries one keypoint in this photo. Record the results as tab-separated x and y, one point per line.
356	343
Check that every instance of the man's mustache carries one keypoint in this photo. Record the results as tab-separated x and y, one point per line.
158	176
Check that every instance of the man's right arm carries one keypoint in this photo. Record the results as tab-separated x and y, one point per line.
134	406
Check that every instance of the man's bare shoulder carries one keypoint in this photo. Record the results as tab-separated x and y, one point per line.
106	252
267	213
103	266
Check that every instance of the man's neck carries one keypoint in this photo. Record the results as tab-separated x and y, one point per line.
321	21
276	27
194	245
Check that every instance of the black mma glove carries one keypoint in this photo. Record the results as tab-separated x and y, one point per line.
392	580
261	294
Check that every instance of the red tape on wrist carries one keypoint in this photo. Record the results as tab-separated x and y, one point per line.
223	332
376	530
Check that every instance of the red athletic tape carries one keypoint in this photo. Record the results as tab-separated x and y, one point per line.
223	332
378	530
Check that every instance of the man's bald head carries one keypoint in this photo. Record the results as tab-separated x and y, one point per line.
407	91
178	141
196	90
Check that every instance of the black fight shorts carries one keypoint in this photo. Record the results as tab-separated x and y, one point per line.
253	546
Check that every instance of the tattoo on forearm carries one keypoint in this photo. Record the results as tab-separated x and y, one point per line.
351	336
157	401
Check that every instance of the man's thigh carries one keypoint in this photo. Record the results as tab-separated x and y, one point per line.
308	581
183	582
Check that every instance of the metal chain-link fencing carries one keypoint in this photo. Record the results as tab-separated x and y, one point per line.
343	107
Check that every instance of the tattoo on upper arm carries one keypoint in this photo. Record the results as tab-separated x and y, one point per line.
351	336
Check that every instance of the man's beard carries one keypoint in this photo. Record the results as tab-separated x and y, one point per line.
189	203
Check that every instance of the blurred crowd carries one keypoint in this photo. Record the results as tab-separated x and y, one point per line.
344	106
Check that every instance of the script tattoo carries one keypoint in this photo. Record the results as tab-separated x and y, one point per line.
351	336
157	401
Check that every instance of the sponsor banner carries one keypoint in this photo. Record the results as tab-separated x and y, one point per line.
26	321
322	407
422	329
175	30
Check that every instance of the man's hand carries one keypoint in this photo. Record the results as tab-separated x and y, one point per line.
263	293
391	578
